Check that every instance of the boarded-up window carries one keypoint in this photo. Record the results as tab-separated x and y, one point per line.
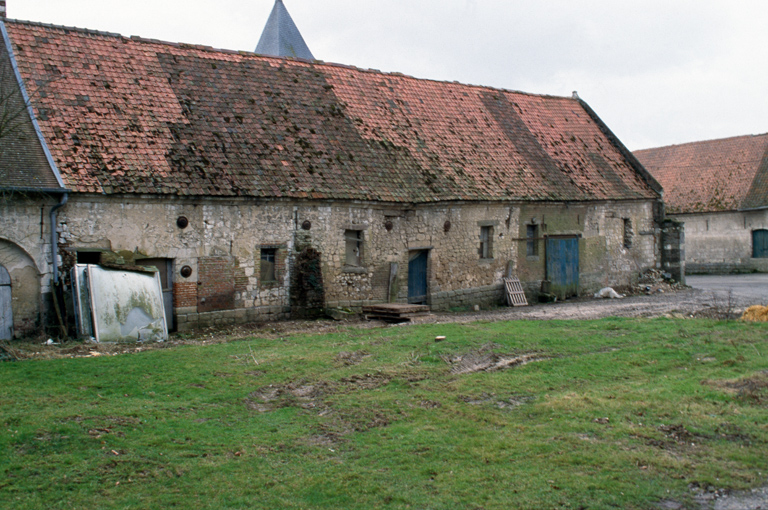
268	273
354	247
486	242
629	233
532	243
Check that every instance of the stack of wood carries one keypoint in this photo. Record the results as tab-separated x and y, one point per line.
394	312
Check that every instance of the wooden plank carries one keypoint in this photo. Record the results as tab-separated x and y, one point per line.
514	292
394	312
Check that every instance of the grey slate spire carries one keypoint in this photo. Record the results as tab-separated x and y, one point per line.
281	38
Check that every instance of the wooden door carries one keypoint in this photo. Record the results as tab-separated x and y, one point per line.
165	268
760	244
563	266
6	310
417	277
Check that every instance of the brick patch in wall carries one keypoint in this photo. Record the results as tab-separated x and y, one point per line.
184	294
216	284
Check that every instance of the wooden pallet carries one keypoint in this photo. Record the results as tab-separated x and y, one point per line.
395	312
515	294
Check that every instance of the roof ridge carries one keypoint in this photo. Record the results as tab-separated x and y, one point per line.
63	27
701	142
247	53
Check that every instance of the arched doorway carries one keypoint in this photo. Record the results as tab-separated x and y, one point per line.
6	310
22	291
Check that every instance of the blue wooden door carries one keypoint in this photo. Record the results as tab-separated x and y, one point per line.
417	277
563	266
760	244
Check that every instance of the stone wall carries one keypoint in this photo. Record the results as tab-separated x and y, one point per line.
617	241
720	243
221	242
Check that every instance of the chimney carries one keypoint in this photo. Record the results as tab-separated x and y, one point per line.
2	9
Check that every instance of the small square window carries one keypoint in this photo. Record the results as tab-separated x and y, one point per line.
486	242
354	247
532	245
268	272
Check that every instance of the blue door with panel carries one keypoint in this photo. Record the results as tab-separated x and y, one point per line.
563	266
760	244
417	277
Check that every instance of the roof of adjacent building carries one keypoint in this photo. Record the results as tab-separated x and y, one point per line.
281	37
130	115
711	176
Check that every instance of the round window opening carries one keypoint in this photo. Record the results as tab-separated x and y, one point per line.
186	271
447	226
182	222
306	225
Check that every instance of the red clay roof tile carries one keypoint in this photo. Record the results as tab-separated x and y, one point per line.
139	116
716	175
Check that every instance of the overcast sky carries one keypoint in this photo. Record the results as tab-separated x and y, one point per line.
658	72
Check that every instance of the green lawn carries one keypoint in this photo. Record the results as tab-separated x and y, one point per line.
615	413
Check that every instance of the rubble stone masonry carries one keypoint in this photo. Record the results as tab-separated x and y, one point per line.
223	239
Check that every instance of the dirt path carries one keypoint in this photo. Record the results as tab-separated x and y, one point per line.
682	303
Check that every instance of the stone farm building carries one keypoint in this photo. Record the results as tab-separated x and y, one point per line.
263	187
719	189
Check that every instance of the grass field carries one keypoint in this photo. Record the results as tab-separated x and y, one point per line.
615	413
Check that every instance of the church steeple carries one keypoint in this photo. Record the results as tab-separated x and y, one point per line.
281	38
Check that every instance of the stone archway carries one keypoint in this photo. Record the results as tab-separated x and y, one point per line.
24	287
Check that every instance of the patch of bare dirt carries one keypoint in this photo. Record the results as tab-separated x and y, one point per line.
300	394
753	389
351	358
678	303
485	359
508	402
366	381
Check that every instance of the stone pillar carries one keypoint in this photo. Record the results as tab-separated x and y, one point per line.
673	249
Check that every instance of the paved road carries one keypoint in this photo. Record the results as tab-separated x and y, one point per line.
746	288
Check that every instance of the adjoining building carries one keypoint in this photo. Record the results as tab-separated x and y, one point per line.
264	187
719	189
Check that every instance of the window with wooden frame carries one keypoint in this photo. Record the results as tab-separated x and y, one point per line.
353	240
268	265
486	242
532	243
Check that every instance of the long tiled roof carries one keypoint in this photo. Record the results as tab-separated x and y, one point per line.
129	115
711	176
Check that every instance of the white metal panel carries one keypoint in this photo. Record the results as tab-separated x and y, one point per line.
126	305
